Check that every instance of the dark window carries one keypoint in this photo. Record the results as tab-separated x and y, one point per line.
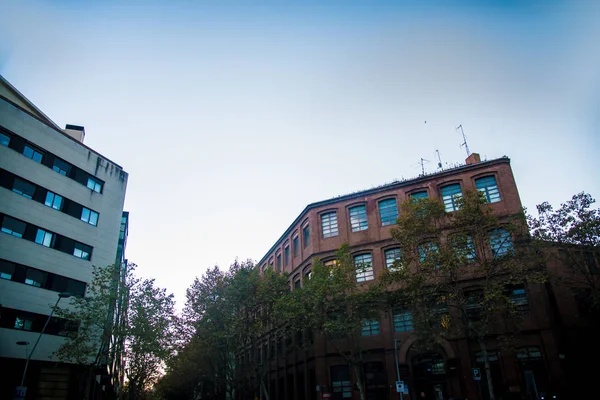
487	185
95	185
278	258
23	188
370	327
403	321
329	224
89	216
295	246
388	212
54	200
450	194
82	251
35	277
7	269
518	297
286	255
464	247
364	267
24	323
473	302
358	218
340	382
34	154
392	256
297	284
13	226
531	353
62	167
307	274
306	235
500	242
44	238
419	195
4	139
428	253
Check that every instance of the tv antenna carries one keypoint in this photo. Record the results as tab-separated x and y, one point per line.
464	143
439	159
422	162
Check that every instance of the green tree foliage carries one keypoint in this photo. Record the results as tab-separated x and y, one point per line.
334	304
226	318
462	273
124	314
574	230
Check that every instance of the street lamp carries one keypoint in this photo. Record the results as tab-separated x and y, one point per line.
397	366
62	295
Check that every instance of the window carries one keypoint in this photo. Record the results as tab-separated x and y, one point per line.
464	247
388	211
391	256
23	323
518	297
94	185
89	216
364	268
62	167
370	327
428	252
500	242
278	258
54	200
13	226
7	270
329	224
286	255
492	356
23	188
82	251
295	246
32	153
307	274
473	304
450	194
44	238
340	382
403	321
358	218
529	353
488	186
306	236
419	195
35	277
297	283
4	139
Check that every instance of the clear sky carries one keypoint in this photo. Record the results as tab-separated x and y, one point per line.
231	117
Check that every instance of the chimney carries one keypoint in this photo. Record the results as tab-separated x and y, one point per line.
474	158
76	132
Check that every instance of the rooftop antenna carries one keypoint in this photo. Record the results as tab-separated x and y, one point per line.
464	143
422	162
439	159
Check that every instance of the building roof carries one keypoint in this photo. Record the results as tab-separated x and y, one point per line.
457	168
9	93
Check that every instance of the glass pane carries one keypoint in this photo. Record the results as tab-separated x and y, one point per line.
388	212
35	278
57	203
4	139
85	214
23	188
449	195
7	269
419	195
94	218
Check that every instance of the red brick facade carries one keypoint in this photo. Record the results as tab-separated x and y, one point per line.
297	374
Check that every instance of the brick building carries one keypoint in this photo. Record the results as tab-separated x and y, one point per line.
363	220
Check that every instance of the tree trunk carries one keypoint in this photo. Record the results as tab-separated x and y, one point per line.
488	371
359	381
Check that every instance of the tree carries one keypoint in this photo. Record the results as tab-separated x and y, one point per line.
334	303
150	335
462	272
574	229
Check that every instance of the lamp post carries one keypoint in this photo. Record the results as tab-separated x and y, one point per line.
397	366
21	390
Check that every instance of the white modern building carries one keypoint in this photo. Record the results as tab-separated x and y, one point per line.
61	208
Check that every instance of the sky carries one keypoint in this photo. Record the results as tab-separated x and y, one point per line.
231	116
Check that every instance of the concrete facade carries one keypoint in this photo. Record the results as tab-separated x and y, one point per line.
20	119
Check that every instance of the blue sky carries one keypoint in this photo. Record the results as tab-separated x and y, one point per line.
232	116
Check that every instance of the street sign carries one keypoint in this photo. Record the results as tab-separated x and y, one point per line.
20	392
476	374
400	386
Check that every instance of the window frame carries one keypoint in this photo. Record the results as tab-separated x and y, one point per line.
370	327
47	238
402	320
329	224
90	214
59	169
305	234
414	192
367	273
52	204
82	251
485	189
387	259
295	245
34	150
358	217
500	249
10	231
23	182
7	141
450	200
384	217
96	185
